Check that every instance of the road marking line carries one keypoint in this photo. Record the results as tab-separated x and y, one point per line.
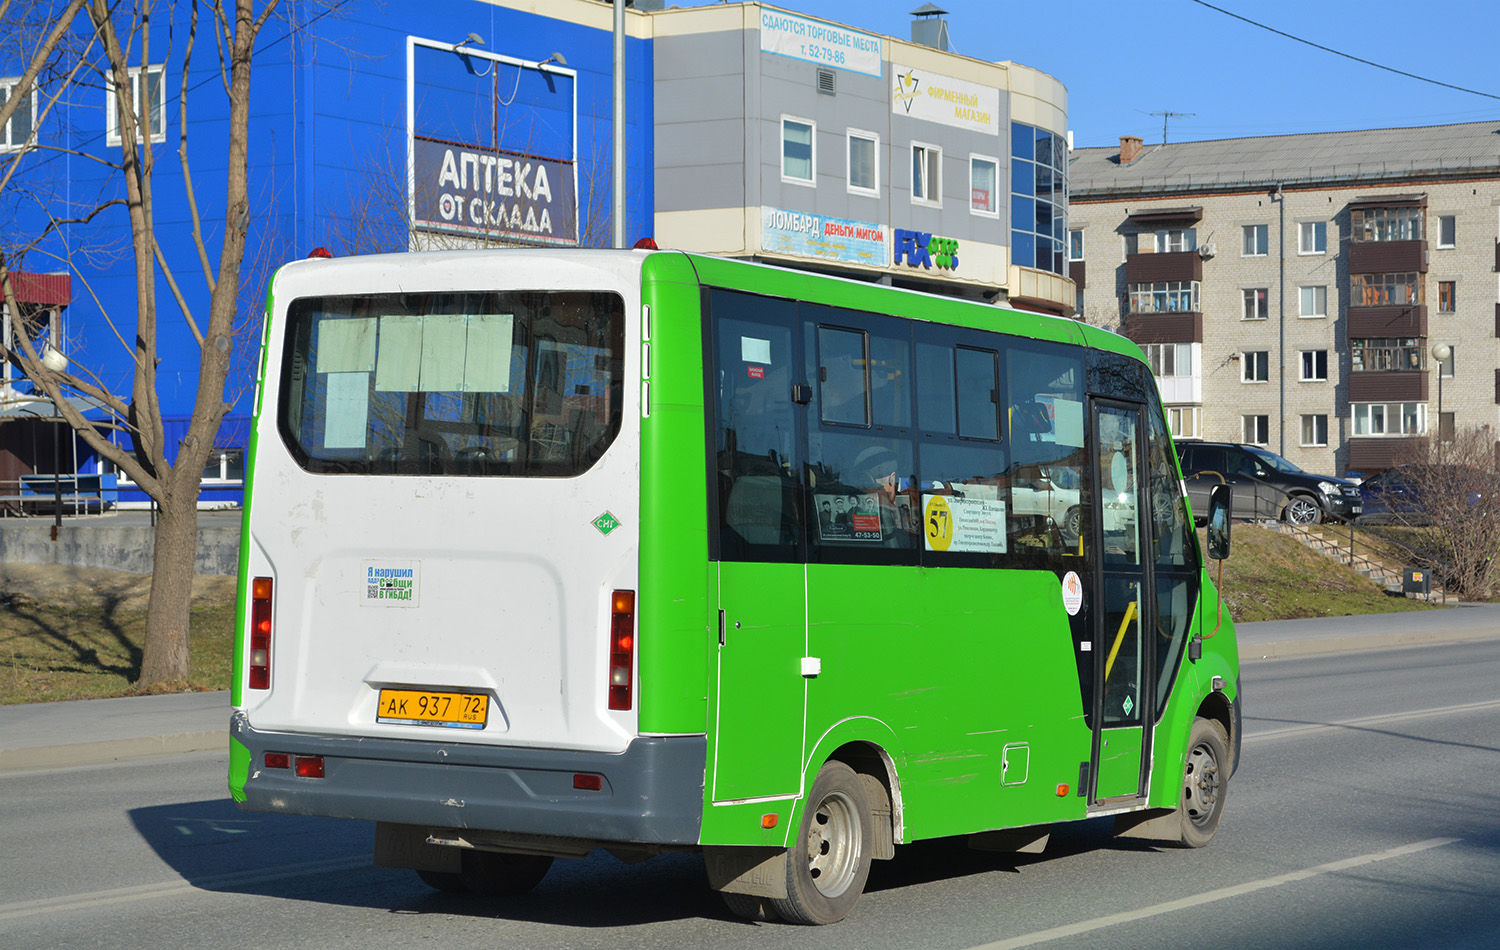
1224	893
121	895
1364	721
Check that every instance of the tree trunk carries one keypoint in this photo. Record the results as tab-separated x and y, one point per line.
167	616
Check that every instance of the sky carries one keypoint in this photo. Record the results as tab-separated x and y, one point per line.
1124	60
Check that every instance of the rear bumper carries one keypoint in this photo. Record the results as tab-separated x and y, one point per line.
652	792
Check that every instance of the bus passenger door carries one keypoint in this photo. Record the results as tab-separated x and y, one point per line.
757	718
1123	674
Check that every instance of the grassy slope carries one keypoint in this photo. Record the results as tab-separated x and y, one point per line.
1270	576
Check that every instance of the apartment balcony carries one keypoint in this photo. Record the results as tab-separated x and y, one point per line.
1391	321
1387	257
1180	389
1171	327
1371	454
1170	265
1388	386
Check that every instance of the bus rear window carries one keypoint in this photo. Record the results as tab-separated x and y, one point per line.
524	383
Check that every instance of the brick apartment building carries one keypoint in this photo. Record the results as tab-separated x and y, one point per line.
1291	290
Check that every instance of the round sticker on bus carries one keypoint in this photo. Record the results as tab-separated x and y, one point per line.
1072	591
939	518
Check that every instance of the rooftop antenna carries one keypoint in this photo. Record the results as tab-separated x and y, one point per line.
1168	116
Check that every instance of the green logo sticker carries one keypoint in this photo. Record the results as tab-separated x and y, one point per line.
606	523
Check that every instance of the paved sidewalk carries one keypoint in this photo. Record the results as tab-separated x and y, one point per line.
100	731
1272	639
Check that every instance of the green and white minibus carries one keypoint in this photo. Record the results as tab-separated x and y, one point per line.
548	551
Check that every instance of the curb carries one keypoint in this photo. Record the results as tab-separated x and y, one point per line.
115	750
1357	643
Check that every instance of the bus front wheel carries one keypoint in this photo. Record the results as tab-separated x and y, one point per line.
830	859
1205	784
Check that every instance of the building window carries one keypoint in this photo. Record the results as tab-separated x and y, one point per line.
1164	296
155	99
1445	367
864	163
1447	230
1314	430
927	174
1176	239
1257	304
1075	244
1312	301
1377	419
1314	366
1445	427
1255	429
1382	355
1255	366
1184	421
1447	296
984	174
1385	224
1038	198
1170	359
798	151
1384	290
17	130
1312	237
1257	240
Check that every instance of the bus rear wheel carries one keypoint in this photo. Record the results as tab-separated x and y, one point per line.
501	874
1205	784
830	859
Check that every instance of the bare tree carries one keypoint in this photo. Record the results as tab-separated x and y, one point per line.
115	34
1445	511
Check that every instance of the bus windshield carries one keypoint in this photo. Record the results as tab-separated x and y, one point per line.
521	383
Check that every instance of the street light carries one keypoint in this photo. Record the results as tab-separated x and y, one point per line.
1441	352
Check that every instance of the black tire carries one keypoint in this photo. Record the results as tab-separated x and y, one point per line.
1302	510
1072	524
499	874
829	861
449	881
749	907
1205	784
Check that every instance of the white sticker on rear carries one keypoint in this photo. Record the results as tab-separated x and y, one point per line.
392	583
1072	593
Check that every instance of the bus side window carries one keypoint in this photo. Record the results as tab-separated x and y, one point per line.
1048	473
757	458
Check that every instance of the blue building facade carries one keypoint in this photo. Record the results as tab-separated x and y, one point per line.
373	128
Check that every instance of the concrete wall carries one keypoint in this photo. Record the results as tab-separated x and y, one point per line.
117	545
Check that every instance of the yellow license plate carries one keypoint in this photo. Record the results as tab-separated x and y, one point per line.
420	707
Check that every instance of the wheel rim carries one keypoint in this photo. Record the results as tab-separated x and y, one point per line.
1200	790
1301	511
833	844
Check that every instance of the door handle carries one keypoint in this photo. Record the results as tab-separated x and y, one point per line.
721	628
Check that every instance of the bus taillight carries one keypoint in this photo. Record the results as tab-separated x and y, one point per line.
260	633
621	648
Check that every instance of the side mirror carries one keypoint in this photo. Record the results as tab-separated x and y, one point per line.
1219	505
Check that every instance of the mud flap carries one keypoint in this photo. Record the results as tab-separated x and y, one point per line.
405	846
759	872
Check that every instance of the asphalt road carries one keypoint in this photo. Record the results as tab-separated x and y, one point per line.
1366	813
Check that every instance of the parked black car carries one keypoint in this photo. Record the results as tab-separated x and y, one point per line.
1265	485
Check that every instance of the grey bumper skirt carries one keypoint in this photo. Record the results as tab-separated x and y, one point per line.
652	792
